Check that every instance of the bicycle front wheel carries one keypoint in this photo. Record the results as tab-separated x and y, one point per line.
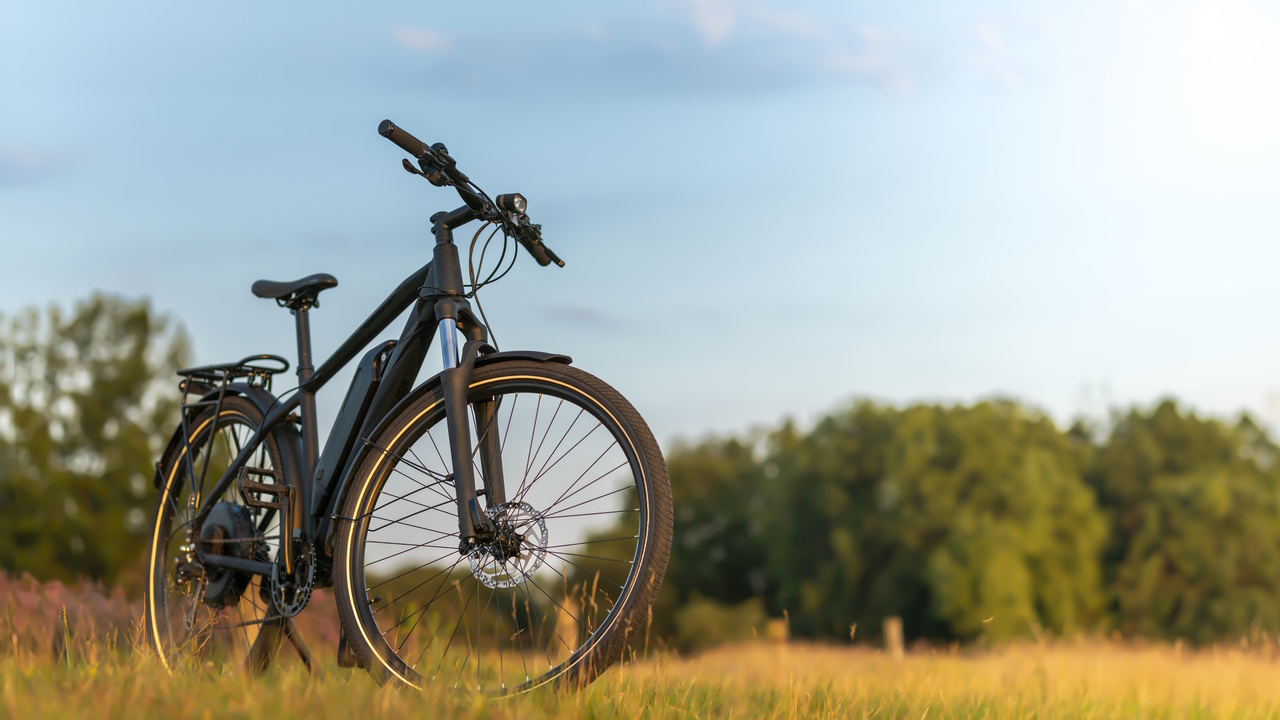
584	534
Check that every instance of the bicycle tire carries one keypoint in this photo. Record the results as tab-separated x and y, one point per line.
212	635
605	633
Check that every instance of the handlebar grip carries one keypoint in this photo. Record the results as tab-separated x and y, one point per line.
401	137
541	253
554	258
538	252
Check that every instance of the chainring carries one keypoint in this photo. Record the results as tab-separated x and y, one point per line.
290	593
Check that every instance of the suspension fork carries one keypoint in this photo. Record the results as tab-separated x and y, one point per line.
455	381
473	524
445	287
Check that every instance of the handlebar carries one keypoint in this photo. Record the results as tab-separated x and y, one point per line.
401	137
441	169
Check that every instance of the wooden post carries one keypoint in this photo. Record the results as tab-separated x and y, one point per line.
893	637
775	630
566	630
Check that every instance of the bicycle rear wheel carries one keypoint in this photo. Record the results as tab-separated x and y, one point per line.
584	537
202	615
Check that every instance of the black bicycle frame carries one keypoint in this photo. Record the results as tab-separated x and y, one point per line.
441	305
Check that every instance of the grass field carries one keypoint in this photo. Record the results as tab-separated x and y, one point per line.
1083	680
83	664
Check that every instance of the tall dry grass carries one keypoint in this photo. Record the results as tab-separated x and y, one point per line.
100	673
1086	680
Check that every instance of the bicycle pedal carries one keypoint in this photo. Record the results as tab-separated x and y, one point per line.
248	487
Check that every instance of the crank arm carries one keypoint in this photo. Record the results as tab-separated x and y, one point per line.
253	567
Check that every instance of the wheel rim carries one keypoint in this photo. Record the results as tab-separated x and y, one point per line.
520	612
233	627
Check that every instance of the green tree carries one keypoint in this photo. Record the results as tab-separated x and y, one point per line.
1194	506
718	551
965	521
86	401
718	554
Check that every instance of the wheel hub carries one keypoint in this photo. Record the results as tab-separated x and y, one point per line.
517	549
228	531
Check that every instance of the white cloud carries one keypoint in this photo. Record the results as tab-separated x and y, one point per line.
717	20
994	56
714	19
731	46
421	39
837	49
1208	34
991	36
21	165
872	51
594	30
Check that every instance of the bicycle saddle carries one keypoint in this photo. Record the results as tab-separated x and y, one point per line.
296	293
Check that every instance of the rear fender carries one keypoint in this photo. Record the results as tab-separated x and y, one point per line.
286	434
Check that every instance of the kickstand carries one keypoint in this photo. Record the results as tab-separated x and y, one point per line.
295	638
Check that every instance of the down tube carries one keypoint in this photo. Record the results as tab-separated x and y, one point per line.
397	382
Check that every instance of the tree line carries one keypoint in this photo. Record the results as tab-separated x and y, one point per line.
87	400
982	521
967	521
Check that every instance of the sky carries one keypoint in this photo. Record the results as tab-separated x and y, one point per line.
766	209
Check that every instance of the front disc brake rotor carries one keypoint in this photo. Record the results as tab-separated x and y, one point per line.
518	550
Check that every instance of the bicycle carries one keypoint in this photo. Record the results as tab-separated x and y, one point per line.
510	475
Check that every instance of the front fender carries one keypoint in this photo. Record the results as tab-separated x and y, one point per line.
286	434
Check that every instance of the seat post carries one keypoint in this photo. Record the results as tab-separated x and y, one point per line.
307	403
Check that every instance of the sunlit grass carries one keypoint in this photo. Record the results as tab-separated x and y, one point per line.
1074	680
86	662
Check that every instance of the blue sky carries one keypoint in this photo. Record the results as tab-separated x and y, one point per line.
767	209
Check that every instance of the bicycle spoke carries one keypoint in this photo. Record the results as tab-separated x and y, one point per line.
543	441
584	474
584	502
452	635
444	618
593	542
570	450
419	614
425	508
543	470
533	430
510	415
415	587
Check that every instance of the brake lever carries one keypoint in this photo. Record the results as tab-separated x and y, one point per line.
409	168
432	175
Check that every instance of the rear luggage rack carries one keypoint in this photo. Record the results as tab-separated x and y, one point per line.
206	386
257	369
